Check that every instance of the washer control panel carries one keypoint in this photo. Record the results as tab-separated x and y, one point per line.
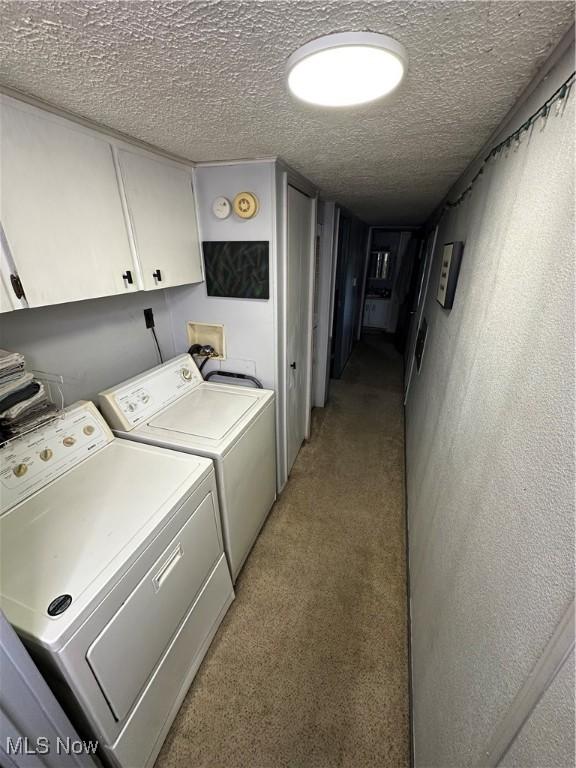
32	461
134	401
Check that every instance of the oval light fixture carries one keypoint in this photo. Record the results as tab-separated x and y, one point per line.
346	69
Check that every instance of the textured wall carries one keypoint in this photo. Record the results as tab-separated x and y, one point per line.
92	344
206	80
490	455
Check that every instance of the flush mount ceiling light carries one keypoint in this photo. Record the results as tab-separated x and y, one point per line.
346	69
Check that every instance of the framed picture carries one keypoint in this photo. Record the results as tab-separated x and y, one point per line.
451	258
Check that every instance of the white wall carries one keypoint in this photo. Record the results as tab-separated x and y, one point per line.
490	457
254	342
92	344
249	324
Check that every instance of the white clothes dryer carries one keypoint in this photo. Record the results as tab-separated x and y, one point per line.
113	573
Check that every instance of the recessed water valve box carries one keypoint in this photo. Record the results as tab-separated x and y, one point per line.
208	333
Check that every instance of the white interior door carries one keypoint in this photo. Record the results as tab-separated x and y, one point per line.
61	209
299	278
162	212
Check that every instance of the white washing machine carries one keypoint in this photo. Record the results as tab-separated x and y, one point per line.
172	406
113	573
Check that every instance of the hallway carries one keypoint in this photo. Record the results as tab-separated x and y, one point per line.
309	667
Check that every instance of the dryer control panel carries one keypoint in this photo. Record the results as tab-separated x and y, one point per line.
32	461
137	400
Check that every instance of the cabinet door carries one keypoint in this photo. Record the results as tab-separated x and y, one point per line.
61	209
366	320
380	313
163	218
10	291
7	299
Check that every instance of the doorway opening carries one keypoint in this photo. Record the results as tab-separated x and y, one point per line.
350	268
391	276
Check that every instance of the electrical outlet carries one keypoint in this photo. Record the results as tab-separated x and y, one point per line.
149	318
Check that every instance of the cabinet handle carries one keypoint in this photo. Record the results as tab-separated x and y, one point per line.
157	276
128	277
293	365
17	286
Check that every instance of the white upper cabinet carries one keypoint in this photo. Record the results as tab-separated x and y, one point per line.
162	214
61	209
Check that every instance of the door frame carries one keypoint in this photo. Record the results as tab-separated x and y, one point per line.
429	249
324	309
343	239
311	287
364	281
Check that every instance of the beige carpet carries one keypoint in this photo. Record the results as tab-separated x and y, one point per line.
309	668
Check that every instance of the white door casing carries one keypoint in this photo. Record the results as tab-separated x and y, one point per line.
421	302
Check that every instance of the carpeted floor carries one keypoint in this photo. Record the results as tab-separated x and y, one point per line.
309	668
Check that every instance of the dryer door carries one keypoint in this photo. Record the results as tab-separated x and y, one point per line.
124	655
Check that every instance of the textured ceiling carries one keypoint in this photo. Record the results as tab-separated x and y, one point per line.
205	80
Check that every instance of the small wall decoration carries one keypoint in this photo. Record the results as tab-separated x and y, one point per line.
237	270
246	205
451	258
